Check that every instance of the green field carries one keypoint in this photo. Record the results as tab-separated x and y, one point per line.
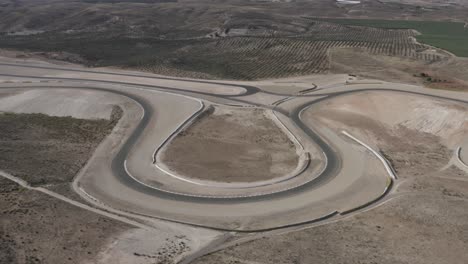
450	36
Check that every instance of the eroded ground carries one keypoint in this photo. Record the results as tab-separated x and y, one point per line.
232	145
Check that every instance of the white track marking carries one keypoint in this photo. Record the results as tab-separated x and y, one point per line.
299	170
288	131
176	130
458	154
377	154
223	197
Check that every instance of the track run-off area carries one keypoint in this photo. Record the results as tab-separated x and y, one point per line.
124	174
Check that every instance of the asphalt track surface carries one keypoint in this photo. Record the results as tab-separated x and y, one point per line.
334	159
249	90
121	174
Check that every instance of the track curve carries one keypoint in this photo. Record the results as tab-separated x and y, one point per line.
334	159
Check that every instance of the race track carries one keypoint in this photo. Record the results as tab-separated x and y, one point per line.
159	105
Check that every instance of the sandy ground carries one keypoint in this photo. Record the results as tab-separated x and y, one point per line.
420	130
428	116
61	102
232	145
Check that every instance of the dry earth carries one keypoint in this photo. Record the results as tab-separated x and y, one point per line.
78	103
424	222
449	74
232	145
390	117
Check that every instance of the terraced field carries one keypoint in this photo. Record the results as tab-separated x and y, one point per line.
253	57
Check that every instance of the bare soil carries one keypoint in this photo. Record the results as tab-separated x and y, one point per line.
77	103
452	71
384	117
232	145
46	150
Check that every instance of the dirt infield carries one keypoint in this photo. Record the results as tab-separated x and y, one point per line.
232	145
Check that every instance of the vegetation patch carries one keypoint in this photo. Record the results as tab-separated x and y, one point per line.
46	150
37	228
